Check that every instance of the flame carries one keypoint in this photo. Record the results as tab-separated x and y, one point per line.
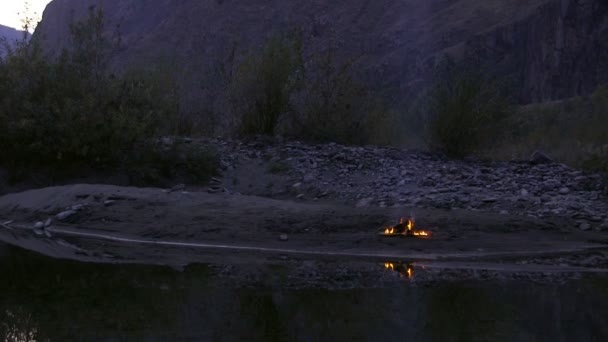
389	266
406	227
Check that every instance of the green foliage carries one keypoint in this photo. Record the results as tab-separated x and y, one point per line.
155	164
334	106
264	82
465	107
69	113
572	131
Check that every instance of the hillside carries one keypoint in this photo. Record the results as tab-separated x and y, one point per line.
10	34
552	49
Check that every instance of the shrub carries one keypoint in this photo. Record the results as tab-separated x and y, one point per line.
264	82
68	114
159	165
465	109
333	106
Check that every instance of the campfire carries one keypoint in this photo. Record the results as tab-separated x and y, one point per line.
404	269
405	228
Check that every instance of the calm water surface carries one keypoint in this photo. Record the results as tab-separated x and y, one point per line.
45	299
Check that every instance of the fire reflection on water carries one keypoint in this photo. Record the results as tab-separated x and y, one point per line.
404	269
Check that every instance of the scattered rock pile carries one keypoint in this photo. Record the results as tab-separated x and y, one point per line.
382	176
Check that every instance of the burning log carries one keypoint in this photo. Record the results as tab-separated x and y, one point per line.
405	228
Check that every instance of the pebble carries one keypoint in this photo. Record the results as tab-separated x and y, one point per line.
585	226
283	237
178	187
39	225
108	203
48	222
564	191
77	207
64	215
364	202
539	157
214	190
308	178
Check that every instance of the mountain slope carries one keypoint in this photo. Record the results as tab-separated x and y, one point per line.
551	48
10	34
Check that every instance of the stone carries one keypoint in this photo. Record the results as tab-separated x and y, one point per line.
297	185
300	196
308	178
585	226
178	187
489	200
78	207
364	202
48	222
539	157
64	215
595	219
108	203
214	189
39	225
283	237
523	192
428	182
564	191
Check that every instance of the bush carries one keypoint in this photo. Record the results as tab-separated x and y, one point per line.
264	82
466	108
572	131
68	114
160	165
333	106
274	92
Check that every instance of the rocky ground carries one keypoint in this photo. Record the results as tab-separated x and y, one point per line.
385	177
289	203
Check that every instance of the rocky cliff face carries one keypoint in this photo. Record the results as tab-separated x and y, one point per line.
550	48
558	51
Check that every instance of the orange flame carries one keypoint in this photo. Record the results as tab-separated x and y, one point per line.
408	226
389	266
